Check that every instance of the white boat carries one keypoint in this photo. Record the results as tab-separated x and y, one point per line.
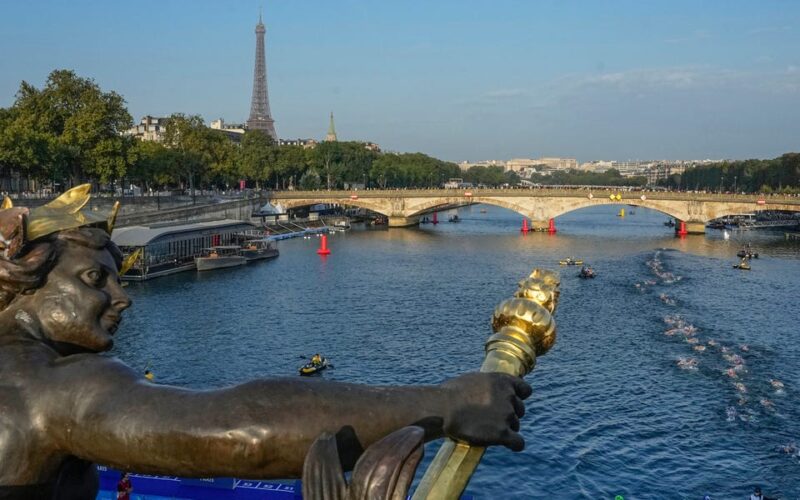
220	257
259	249
341	225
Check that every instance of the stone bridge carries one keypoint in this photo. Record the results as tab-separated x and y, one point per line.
405	207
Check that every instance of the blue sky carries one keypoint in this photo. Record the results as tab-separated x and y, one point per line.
461	80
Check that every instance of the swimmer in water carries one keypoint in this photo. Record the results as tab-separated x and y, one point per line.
740	387
692	340
744	347
712	343
731	373
766	403
776	384
700	348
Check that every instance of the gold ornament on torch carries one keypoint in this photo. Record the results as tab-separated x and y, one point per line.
523	329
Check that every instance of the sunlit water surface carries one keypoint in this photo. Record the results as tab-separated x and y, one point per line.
626	403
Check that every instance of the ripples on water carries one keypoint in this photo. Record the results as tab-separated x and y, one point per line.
674	375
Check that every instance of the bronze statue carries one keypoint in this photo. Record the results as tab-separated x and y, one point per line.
63	407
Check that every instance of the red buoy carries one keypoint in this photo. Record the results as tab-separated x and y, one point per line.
552	227
323	246
435	219
524	226
682	229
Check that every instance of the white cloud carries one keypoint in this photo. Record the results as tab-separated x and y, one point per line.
695	36
768	30
505	93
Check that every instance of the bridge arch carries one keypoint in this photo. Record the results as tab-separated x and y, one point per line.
359	203
664	208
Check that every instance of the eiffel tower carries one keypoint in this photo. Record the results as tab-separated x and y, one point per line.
260	117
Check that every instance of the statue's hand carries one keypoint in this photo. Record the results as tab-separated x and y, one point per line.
484	409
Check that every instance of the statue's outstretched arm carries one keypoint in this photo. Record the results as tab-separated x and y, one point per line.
104	412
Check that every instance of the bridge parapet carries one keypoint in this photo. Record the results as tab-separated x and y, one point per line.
533	192
404	207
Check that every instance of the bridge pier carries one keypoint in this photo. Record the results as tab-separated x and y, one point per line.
695	227
540	225
399	221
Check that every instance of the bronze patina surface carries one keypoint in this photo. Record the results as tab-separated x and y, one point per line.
64	406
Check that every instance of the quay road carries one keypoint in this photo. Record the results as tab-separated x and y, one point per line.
405	207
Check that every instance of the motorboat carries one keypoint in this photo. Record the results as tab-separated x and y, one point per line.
454	219
587	273
311	368
259	249
571	261
341	225
747	253
220	257
379	221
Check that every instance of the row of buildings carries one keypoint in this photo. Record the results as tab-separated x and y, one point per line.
152	128
654	170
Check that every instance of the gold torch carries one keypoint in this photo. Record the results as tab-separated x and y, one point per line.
523	329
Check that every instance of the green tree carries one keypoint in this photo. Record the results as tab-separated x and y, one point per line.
68	128
310	180
325	157
257	157
80	124
291	164
187	137
153	165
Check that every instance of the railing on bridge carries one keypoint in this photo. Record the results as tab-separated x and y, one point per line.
535	192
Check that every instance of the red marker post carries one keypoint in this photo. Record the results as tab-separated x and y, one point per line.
323	246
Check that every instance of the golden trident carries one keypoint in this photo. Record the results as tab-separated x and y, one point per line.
523	329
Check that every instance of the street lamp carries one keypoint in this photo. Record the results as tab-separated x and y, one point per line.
734	183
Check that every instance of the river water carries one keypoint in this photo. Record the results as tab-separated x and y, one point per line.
626	403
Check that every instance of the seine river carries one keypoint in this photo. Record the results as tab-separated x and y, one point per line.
665	381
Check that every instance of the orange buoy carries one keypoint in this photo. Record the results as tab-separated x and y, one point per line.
524	226
552	227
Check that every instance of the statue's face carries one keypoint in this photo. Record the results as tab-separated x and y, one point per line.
80	306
